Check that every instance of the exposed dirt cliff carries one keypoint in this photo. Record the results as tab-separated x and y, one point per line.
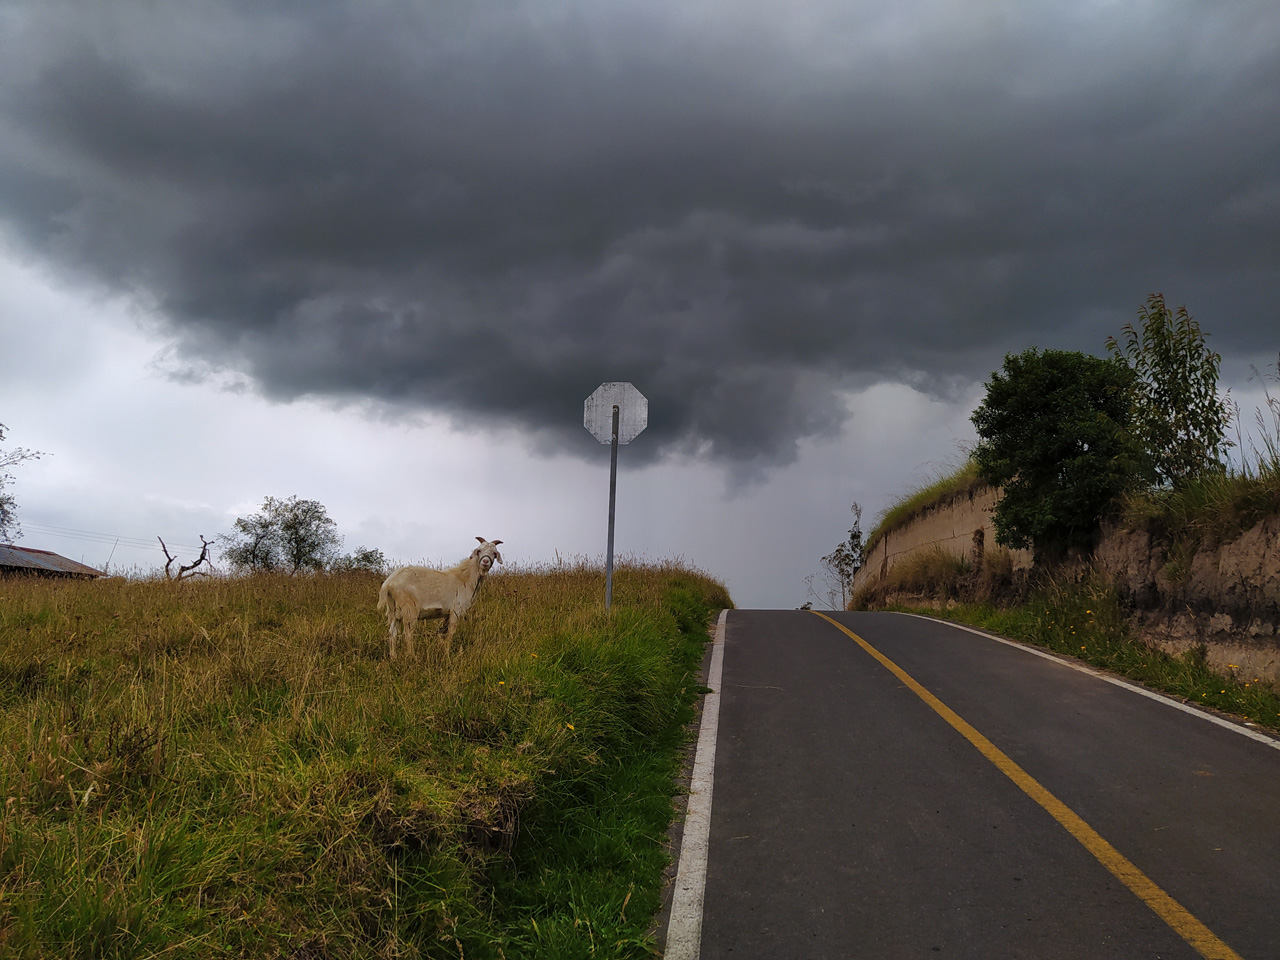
1183	591
1222	596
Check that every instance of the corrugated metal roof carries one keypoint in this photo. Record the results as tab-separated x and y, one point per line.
42	561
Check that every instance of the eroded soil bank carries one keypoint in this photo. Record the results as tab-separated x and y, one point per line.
1222	596
1182	590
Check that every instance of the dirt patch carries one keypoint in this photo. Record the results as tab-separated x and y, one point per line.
1224	597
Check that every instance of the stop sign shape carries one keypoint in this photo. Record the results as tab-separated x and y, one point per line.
633	412
615	413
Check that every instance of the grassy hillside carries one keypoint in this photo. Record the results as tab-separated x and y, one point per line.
233	768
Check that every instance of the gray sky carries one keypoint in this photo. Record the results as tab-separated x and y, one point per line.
378	254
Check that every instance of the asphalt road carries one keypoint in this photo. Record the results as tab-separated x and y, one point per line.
851	820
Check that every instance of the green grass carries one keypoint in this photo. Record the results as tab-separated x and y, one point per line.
233	768
1084	621
959	482
1213	507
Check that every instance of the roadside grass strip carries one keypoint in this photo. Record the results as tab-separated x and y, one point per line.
1232	725
233	767
1084	622
1179	919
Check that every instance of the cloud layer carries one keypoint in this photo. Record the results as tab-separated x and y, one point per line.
745	209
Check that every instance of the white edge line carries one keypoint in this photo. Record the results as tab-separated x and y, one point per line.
684	930
1143	691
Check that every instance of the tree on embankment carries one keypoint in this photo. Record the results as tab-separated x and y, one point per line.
1054	436
1178	417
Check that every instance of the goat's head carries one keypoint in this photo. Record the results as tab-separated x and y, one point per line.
487	552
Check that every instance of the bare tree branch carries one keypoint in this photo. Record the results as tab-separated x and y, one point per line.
190	569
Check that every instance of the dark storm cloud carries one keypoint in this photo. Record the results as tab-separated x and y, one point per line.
488	209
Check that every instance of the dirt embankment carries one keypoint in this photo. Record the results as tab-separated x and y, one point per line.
958	526
1222	596
1182	593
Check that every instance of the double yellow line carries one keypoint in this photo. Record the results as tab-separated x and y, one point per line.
1200	937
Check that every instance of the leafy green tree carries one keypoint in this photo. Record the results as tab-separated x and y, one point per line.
308	536
10	530
363	558
1178	416
253	545
1052	435
292	534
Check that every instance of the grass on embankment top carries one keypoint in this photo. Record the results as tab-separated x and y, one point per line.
961	481
1084	621
233	768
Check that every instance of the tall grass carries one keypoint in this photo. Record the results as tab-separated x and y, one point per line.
233	768
945	488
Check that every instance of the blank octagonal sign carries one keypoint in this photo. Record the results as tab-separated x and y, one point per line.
633	412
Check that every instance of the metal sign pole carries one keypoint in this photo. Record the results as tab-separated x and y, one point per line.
613	497
616	412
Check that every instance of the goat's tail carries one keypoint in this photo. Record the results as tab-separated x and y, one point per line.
386	602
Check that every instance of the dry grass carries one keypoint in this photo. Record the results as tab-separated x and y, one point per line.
934	574
234	767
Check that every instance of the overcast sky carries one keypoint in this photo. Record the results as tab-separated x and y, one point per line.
378	254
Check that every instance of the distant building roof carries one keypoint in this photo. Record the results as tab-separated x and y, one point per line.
24	559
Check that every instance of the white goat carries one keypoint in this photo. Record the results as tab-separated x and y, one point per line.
411	594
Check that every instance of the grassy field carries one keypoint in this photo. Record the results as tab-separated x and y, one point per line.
233	768
1084	620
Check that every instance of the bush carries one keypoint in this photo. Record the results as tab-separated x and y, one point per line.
926	573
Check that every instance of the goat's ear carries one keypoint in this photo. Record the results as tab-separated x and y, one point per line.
496	542
481	539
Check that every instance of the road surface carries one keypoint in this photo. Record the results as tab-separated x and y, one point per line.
906	788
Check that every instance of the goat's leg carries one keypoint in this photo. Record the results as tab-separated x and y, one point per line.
391	629
451	624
